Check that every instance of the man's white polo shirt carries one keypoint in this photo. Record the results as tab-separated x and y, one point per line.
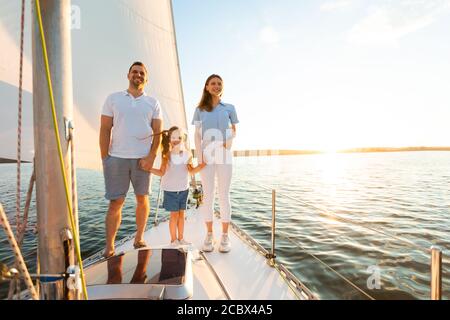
132	124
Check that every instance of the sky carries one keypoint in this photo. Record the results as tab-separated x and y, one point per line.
319	74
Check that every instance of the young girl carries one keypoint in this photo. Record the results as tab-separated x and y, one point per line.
176	166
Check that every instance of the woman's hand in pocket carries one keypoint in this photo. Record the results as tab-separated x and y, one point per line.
227	144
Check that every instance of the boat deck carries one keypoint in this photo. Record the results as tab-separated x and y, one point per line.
241	274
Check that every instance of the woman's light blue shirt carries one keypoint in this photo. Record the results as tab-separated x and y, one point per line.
220	119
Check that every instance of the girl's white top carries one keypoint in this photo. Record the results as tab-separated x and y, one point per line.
176	177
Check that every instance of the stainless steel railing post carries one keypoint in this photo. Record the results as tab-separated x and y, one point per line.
272	255
436	273
157	203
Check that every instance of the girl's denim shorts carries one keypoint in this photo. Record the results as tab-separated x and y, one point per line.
175	201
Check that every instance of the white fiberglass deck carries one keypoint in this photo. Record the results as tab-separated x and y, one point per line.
244	272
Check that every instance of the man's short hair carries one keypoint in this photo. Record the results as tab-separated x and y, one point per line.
138	63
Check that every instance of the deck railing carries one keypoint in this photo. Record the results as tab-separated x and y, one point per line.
435	252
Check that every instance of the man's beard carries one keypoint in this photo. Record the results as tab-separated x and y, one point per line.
137	85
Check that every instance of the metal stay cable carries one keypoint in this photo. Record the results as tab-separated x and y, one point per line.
26	210
13	283
21	228
327	213
19	116
298	245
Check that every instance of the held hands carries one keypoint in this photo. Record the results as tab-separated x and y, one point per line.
194	170
146	164
156	172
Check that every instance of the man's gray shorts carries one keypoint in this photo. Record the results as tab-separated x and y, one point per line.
119	172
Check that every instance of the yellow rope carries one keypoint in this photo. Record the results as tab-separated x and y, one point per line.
61	161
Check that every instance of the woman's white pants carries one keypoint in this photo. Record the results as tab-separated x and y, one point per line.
223	172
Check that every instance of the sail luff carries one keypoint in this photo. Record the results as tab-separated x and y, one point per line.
180	87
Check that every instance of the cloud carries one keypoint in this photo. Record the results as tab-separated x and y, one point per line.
392	20
334	5
268	35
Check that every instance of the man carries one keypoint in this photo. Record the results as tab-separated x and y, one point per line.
129	139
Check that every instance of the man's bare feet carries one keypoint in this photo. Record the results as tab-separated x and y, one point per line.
139	244
108	253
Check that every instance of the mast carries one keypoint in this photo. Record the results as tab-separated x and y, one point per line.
54	249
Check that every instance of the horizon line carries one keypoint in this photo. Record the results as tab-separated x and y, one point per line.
280	152
284	152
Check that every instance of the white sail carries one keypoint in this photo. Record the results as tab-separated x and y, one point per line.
107	36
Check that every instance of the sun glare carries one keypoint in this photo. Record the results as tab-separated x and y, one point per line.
329	150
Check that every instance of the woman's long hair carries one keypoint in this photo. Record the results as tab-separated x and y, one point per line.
206	103
165	142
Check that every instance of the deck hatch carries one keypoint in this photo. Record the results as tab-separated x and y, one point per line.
142	274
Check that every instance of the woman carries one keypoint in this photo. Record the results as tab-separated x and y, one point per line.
215	127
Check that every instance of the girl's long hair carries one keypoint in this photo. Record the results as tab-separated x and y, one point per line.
165	142
206	103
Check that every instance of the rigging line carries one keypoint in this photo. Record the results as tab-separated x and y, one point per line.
286	237
444	259
288	277
325	212
315	257
19	119
21	233
283	235
361	224
328	266
19	258
13	283
58	143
